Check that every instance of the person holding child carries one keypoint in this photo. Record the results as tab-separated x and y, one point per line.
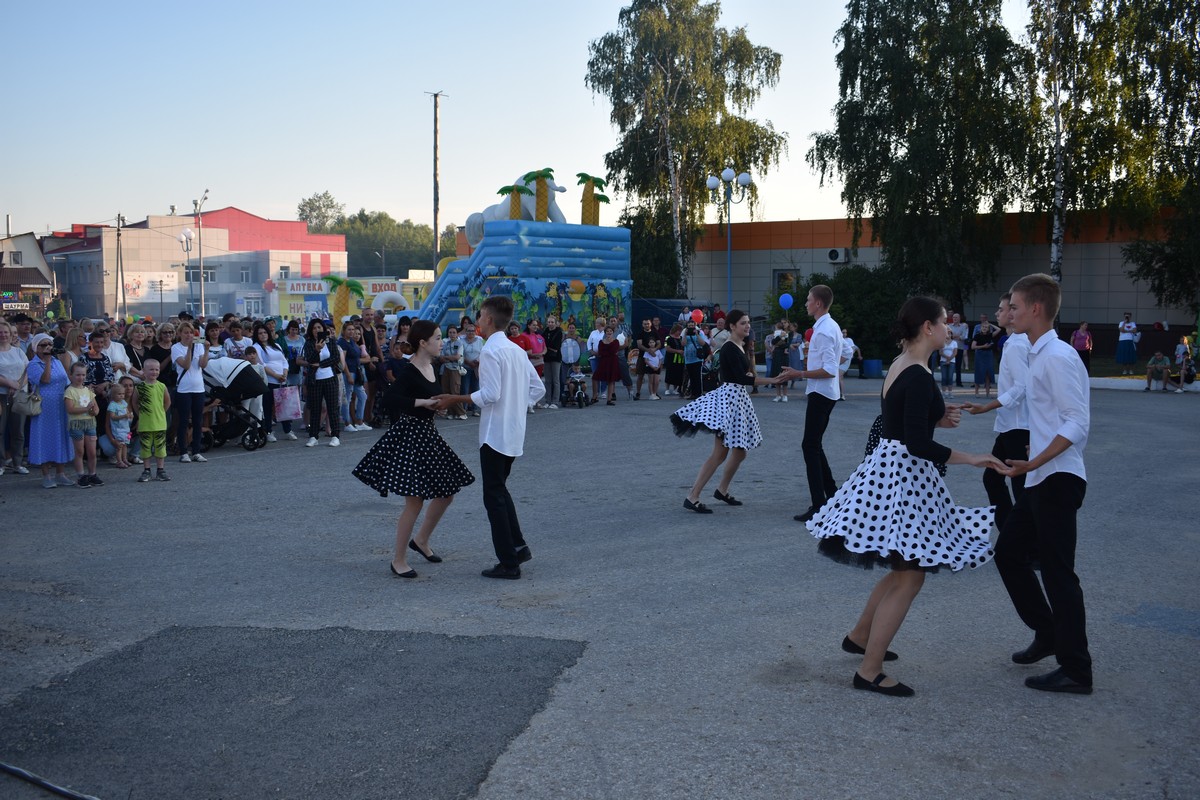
153	403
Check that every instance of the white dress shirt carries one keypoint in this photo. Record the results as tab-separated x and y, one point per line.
593	342
825	352
1057	396
1013	414
508	385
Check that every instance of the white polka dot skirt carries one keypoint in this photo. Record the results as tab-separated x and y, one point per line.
727	410
895	508
413	460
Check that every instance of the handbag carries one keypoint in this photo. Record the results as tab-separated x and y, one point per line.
26	401
287	403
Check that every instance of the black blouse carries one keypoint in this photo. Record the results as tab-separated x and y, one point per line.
912	408
409	387
735	366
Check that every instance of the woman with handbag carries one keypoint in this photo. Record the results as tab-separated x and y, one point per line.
274	362
49	443
325	364
12	422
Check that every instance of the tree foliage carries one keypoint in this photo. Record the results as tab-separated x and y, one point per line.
931	135
679	84
653	266
405	245
320	211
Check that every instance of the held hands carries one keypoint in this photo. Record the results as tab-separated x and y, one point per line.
976	408
989	461
442	401
951	418
789	374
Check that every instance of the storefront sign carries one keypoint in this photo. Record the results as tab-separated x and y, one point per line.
379	287
16	306
305	287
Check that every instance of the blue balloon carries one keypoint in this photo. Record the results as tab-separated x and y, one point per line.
785	301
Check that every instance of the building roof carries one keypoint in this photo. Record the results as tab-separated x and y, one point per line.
14	278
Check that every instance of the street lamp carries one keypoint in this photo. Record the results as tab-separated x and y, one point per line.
382	254
714	185
158	285
185	241
197	206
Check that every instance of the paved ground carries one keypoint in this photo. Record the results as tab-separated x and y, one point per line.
236	633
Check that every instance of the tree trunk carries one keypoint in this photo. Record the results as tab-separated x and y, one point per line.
514	205
543	201
673	177
590	206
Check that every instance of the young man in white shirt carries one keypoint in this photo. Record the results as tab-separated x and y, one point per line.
508	384
824	354
593	345
1042	524
1012	415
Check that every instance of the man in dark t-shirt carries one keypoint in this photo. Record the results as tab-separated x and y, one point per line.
644	337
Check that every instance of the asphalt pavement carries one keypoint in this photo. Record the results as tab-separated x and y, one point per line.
236	632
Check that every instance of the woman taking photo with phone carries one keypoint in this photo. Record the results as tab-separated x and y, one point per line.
323	359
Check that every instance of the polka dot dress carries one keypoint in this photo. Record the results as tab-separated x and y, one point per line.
413	460
727	410
895	507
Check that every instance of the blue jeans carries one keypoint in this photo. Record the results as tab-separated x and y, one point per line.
356	393
948	375
469	385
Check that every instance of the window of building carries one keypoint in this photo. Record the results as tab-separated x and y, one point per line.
14	258
245	275
785	280
193	276
285	273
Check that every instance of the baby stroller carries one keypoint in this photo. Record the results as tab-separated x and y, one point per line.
577	390
233	384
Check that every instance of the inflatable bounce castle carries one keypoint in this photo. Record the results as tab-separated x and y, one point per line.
524	248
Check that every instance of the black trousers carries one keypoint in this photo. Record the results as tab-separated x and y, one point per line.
1042	525
695	382
816	419
501	511
959	355
324	391
1010	444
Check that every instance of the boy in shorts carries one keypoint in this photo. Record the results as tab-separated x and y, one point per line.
153	402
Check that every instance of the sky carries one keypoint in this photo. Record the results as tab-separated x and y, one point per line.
264	103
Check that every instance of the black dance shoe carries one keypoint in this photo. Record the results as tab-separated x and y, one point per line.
727	498
412	573
432	558
899	690
699	508
501	571
851	647
1058	681
807	515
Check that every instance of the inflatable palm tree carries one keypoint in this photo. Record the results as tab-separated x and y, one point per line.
591	200
543	191
514	193
341	289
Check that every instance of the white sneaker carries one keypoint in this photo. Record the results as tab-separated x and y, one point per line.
531	409
552	405
776	399
363	427
1177	391
334	442
62	480
290	436
785	398
21	470
312	442
199	459
271	437
185	459
49	483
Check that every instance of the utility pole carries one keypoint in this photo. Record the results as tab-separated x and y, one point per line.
122	306
197	205
437	234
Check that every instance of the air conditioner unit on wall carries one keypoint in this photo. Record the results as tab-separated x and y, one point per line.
839	255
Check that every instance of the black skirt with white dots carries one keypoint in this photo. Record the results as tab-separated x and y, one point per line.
413	460
895	510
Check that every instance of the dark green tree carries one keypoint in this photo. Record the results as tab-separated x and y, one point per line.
931	136
406	245
653	264
679	85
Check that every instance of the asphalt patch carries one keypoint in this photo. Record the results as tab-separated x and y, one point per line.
215	712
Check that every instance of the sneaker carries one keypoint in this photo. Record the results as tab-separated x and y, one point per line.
162	475
136	460
83	482
334	442
531	409
185	459
62	480
464	416
552	405
21	470
49	483
291	437
776	399
1177	391
312	442
363	427
199	459
474	413
271	437
785	398
145	476
94	480
655	397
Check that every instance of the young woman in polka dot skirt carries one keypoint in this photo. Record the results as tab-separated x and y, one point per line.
412	459
895	510
727	412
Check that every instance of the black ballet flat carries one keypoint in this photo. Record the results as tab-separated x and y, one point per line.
432	558
851	647
412	573
699	508
727	498
899	690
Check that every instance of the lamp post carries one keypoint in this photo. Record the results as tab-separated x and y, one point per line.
185	241
382	253
159	286
727	179
197	206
